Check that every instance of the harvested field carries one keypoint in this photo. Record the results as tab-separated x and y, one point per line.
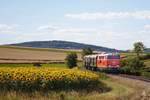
15	55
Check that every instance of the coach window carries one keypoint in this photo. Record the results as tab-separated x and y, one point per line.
93	61
104	57
86	61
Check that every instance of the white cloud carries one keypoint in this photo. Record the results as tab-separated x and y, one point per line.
47	28
61	30
75	31
146	26
97	36
4	28
110	15
84	35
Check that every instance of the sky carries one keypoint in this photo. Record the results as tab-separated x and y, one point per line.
109	23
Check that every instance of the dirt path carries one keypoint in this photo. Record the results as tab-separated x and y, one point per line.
142	88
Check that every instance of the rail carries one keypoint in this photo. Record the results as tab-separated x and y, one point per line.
141	78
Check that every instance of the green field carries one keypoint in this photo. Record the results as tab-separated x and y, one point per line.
130	54
147	62
53	65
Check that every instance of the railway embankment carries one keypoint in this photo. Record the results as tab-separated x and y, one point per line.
140	87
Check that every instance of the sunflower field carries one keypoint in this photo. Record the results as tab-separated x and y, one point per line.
37	79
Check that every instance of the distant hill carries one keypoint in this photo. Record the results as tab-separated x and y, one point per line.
147	50
63	45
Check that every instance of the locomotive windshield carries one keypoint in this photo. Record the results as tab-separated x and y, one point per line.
113	57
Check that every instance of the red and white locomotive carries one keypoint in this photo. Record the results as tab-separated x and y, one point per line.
102	61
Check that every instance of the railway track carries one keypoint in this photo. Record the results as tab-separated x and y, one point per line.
133	77
141	78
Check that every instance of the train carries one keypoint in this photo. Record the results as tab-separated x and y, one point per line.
102	61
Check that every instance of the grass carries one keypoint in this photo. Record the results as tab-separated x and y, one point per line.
53	65
128	54
131	54
118	91
147	62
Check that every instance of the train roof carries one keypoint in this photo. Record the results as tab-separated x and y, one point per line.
92	56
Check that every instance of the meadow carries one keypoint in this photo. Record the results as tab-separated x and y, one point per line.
51	65
76	84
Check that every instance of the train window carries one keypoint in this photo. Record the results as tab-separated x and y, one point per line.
114	57
104	57
93	62
99	57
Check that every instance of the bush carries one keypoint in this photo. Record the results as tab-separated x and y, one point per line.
132	66
71	60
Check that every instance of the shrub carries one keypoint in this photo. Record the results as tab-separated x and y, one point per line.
132	66
71	60
37	65
124	62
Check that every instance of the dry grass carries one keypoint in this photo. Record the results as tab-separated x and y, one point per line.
147	62
141	89
10	55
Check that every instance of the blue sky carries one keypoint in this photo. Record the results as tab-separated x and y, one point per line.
110	23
